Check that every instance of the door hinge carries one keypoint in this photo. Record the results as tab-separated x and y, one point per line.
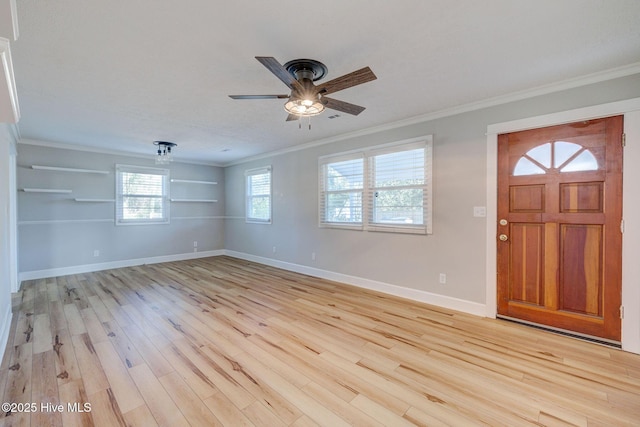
622	226
624	139
622	311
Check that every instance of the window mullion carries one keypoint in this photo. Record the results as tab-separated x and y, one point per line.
369	179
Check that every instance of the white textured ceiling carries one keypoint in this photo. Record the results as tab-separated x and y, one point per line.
120	74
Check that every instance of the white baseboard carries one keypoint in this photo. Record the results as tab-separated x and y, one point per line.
387	288
88	268
6	328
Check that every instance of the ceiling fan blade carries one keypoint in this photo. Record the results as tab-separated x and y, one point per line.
355	78
292	117
280	72
259	96
345	107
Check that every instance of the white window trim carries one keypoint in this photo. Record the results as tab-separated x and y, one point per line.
165	197
425	142
247	174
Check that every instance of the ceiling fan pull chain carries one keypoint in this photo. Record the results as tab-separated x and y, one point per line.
309	122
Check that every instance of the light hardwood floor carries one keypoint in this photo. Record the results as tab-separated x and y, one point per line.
220	341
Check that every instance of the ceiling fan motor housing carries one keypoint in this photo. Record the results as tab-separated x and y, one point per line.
306	69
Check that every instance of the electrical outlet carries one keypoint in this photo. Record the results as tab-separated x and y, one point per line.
443	278
96	252
313	256
195	243
274	249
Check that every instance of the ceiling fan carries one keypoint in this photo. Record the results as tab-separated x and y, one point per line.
307	99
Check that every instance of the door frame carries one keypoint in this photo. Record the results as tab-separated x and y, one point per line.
631	204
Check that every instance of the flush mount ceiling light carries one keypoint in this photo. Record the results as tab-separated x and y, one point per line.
163	155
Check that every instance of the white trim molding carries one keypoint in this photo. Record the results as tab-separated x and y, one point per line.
630	108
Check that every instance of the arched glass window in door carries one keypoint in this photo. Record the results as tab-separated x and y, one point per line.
558	155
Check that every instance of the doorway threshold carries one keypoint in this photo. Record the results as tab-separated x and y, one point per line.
571	334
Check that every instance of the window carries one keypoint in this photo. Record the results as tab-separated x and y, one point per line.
384	188
142	195
567	157
343	186
258	195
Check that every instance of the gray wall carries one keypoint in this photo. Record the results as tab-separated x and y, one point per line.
54	231
457	246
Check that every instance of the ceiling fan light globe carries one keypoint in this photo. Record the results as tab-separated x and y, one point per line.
304	107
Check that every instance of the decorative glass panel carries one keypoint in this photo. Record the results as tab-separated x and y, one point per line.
585	161
541	154
567	157
563	151
527	167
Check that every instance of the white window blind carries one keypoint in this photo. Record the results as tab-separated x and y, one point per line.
383	188
397	189
258	195
341	190
142	195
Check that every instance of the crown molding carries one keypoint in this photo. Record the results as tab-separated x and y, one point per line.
585	80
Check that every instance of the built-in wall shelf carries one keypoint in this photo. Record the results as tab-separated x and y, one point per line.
190	181
59	169
195	200
45	190
95	200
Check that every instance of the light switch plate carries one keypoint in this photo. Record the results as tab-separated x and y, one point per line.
479	211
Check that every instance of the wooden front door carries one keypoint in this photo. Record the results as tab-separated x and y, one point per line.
559	226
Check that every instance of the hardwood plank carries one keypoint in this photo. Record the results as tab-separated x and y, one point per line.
250	381
190	373
123	346
73	393
140	417
347	411
147	350
226	411
162	407
193	409
19	384
301	400
261	416
123	387
57	318
378	411
45	391
105	411
74	320
89	364
42	340
67	368
94	327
